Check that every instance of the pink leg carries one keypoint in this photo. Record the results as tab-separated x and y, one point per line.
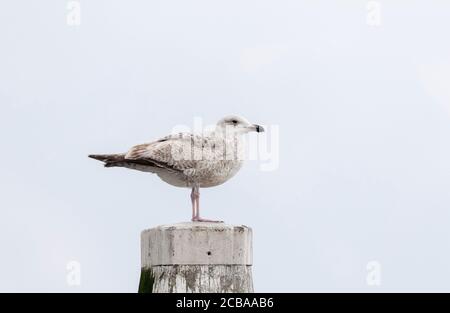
194	205
195	198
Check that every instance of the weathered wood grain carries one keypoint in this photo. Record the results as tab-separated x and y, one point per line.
196	257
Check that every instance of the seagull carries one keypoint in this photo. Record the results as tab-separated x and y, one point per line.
190	160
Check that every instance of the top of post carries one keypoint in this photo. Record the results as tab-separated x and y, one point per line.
196	243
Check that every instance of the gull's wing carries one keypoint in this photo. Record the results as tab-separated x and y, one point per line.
178	152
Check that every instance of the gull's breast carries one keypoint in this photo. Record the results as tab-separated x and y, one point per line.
217	173
204	174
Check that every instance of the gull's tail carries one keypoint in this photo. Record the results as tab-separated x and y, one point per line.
109	159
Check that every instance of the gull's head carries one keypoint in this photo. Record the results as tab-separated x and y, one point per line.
234	124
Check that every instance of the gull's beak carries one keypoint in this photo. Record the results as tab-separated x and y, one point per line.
257	128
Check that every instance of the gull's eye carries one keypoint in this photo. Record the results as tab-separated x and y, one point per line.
234	122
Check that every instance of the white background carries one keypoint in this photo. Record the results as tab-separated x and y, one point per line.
363	113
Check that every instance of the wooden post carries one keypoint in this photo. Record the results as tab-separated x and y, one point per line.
196	257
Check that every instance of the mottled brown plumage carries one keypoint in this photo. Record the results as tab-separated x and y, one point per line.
188	160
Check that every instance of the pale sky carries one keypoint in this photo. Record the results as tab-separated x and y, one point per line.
363	112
